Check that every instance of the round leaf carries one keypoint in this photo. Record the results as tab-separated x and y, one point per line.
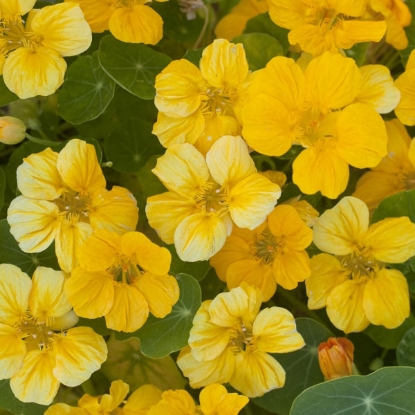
388	391
405	352
401	204
133	66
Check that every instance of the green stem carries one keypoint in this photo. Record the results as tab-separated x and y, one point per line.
205	24
41	141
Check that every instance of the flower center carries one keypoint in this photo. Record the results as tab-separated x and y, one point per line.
36	335
13	36
76	207
216	101
125	269
212	198
265	246
361	265
241	338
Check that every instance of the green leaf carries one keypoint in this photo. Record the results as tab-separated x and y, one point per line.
262	23
260	48
388	391
86	92
12	404
194	56
10	253
389	338
2	187
410	33
6	96
401	204
302	368
133	66
405	353
160	337
358	52
130	145
125	361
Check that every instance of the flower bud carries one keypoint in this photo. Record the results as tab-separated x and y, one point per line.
12	130
336	358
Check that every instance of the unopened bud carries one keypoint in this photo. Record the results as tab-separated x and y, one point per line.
336	358
12	130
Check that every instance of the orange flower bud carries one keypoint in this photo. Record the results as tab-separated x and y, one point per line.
12	130
336	357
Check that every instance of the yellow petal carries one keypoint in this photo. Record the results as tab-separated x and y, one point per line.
275	331
38	177
345	306
90	293
62	28
174	402
69	237
204	373
141	400
47	299
137	24
78	165
29	73
160	292
200	236
182	169
12	352
166	211
378	89
291	267
405	109
362	138
349	32
256	373
129	310
321	169
15	287
288	13
115	210
391	240
33	223
97	13
79	353
60	409
16	7
254	194
147	254
229	161
333	81
326	274
118	392
224	64
35	381
339	230
313	39
386	298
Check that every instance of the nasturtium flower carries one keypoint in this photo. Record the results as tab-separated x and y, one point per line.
12	130
316	108
397	15
64	199
395	173
131	21
207	196
138	403
231	339
329	25
405	110
198	106
122	277
33	53
353	279
234	23
39	349
271	254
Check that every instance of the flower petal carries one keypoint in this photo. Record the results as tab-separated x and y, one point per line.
12	352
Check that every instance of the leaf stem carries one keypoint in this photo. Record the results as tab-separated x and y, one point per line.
41	141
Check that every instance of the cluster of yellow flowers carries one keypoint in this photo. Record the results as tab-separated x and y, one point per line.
218	207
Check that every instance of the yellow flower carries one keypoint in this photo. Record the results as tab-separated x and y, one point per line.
353	280
12	130
231	339
34	63
206	196
200	106
122	277
140	401
335	358
316	109
64	200
329	25
395	173
128	20
405	110
273	253
397	16
39	349
234	23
